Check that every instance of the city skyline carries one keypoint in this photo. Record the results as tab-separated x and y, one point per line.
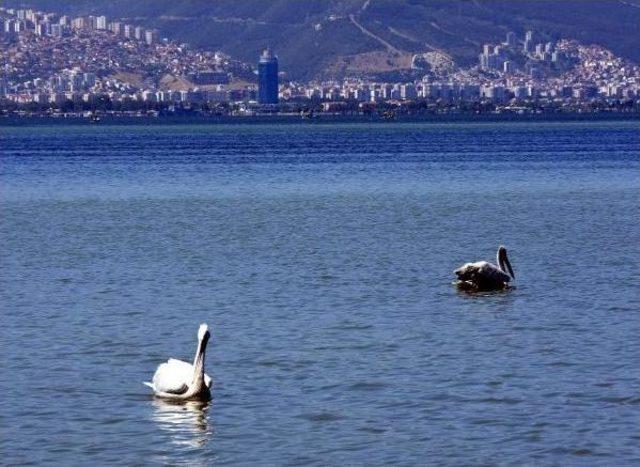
143	71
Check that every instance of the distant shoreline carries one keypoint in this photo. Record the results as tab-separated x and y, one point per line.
46	120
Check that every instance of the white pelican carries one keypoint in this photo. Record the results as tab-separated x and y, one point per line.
482	276
180	381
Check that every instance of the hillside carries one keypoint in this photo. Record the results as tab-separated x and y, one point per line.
336	37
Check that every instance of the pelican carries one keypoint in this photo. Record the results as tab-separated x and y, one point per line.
483	276
180	381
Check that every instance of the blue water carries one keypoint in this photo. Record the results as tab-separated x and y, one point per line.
322	259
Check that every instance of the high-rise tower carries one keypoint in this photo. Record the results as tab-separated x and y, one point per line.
268	78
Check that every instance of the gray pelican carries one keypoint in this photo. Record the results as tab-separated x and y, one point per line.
181	381
483	276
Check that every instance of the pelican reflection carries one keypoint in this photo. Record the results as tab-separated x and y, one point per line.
185	422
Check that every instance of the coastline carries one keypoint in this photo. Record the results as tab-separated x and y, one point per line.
289	119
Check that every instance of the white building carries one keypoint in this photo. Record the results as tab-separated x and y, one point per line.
101	22
151	36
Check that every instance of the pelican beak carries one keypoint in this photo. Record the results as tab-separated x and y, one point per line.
508	265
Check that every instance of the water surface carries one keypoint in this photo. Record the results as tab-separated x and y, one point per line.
322	259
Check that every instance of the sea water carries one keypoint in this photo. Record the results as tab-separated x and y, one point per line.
322	258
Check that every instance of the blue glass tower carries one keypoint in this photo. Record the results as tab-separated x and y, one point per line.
268	78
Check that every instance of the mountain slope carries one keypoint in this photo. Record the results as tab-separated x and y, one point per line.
333	37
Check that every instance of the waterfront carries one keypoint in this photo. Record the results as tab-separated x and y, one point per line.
322	257
195	118
113	68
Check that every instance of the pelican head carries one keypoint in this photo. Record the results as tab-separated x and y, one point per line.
503	261
203	333
465	272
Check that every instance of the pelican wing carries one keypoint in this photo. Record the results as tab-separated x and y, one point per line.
491	272
171	378
482	275
187	369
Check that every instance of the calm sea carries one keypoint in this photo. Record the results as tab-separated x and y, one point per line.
321	256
